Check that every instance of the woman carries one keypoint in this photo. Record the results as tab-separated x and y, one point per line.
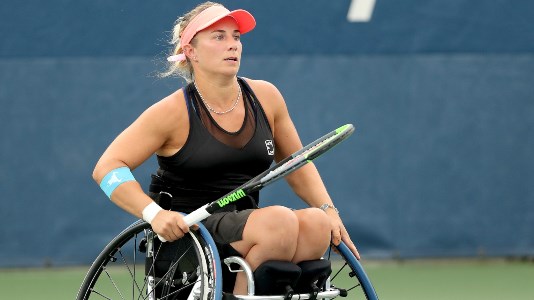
212	136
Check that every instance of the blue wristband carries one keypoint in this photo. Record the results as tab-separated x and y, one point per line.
115	178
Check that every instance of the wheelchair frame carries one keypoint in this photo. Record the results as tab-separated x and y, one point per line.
195	272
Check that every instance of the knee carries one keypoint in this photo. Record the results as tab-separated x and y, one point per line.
281	219
278	225
314	221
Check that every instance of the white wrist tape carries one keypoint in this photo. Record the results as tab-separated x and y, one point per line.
150	212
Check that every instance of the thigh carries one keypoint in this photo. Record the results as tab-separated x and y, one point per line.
266	224
313	221
311	213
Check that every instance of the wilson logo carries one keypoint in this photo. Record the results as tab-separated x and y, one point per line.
231	198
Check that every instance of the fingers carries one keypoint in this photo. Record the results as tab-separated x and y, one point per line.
162	238
169	226
339	233
353	249
346	239
336	236
182	226
356	253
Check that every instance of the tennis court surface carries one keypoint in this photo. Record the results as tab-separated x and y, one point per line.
418	279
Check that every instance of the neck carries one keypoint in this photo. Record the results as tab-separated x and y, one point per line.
218	92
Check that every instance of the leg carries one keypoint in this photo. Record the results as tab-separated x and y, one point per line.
270	234
314	234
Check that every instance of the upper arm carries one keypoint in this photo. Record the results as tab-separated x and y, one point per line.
286	138
148	133
306	181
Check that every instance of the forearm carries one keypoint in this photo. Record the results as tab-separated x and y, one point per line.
125	193
308	185
130	197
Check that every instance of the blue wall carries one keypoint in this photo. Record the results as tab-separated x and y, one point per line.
441	93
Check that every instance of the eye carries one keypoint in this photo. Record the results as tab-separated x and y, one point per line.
219	36
237	37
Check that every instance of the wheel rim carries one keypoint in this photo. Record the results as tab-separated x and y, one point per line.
119	271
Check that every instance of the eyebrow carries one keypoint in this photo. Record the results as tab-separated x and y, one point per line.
223	31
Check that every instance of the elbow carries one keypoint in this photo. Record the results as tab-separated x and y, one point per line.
99	172
102	168
96	174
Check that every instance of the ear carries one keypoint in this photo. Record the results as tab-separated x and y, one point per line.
189	51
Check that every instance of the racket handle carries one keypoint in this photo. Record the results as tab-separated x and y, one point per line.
192	218
197	216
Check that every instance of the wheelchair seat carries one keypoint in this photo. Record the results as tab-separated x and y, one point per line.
284	278
314	274
276	278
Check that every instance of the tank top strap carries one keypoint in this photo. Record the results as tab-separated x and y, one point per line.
248	90
255	103
190	104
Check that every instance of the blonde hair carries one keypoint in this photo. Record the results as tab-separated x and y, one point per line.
184	68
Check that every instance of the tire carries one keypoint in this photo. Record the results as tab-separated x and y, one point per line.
135	265
349	275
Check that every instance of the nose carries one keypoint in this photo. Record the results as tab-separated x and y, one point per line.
233	45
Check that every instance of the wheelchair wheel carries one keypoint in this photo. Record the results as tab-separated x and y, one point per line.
349	276
136	265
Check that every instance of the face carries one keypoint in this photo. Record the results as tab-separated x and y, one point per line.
218	48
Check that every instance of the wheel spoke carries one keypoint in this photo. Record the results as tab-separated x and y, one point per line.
115	274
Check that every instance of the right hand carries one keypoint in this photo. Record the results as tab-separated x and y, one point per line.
170	225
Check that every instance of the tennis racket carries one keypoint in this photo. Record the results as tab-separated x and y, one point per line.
281	169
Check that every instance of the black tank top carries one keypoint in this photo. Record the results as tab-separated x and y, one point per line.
214	161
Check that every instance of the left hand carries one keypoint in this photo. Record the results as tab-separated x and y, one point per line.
339	233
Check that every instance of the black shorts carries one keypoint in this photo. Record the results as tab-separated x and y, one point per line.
227	227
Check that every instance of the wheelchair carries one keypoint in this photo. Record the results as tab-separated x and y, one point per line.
136	265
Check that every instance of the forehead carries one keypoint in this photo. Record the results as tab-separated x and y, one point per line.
226	23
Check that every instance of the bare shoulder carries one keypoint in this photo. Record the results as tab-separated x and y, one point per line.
269	96
172	101
166	121
168	111
263	87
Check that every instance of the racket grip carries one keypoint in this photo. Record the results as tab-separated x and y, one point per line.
192	218
197	216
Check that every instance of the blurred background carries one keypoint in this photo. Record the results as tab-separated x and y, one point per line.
441	93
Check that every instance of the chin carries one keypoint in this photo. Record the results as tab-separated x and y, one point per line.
232	72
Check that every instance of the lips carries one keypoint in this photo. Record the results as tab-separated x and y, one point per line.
231	58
